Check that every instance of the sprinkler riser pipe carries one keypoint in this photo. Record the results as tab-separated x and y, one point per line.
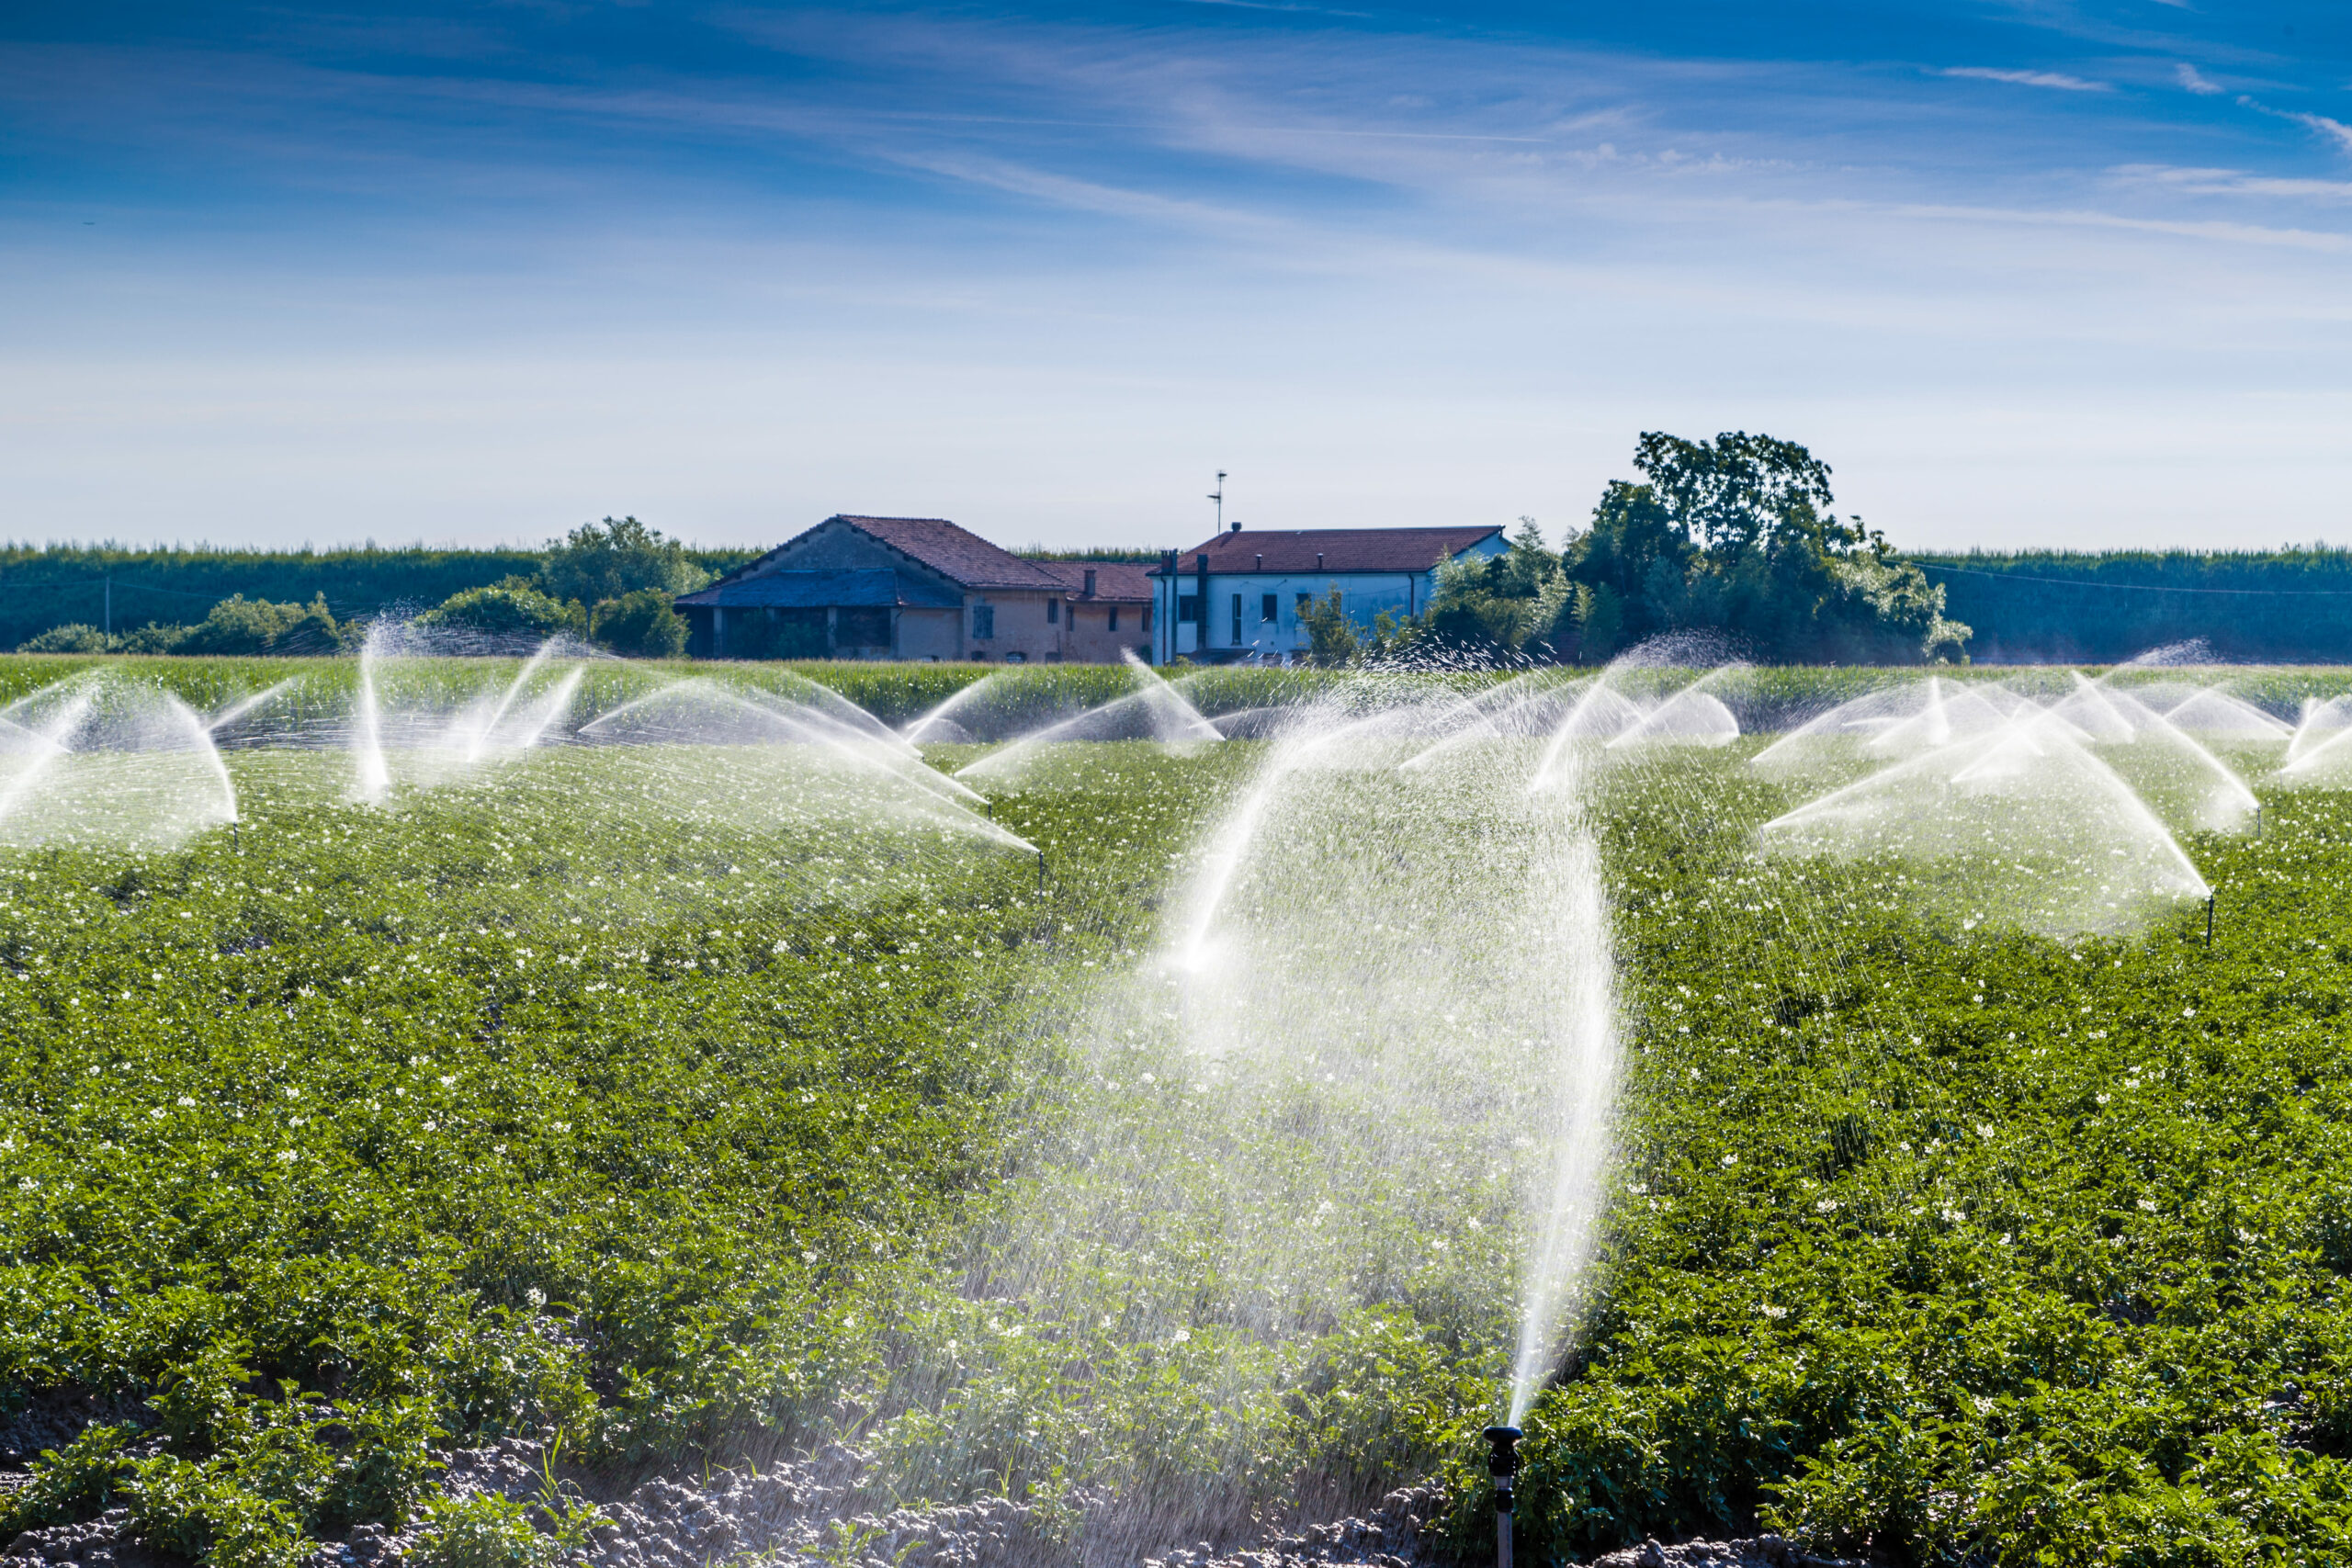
1502	1463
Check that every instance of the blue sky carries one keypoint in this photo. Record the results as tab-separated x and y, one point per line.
2023	273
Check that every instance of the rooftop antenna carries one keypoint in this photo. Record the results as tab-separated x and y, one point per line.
1217	495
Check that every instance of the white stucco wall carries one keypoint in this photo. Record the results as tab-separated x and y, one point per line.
1364	595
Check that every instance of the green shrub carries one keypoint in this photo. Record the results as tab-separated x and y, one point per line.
510	609
251	626
641	625
74	639
483	1530
77	1482
156	637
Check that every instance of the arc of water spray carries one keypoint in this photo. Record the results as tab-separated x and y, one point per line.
48	739
2112	785
1583	1100
200	733
374	780
941	711
1156	697
1570	729
2148	717
896	758
1486	719
478	739
946	793
236	710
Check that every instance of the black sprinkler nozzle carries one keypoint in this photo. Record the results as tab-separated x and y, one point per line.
1502	1463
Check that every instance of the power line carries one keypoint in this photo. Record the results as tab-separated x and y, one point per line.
2135	587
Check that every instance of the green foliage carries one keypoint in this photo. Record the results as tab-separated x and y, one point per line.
80	1481
1736	535
1332	638
511	609
477	1117
255	626
63	584
2250	607
236	627
375	1126
1961	1245
618	559
639	625
1504	604
483	1530
74	637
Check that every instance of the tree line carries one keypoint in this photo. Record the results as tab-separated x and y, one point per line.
2289	606
610	581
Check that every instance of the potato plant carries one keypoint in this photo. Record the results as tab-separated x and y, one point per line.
357	1133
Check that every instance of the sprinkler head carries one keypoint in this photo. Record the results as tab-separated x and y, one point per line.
1502	1462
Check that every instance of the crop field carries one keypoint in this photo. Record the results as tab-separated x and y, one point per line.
707	1107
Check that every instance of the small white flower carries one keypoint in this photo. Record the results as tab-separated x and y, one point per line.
1827	1206
2148	1205
1730	1160
286	1156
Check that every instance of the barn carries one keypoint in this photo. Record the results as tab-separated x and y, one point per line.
855	587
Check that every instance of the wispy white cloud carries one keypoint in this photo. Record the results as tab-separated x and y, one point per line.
2335	131
2335	128
2232	182
2057	79
1383	268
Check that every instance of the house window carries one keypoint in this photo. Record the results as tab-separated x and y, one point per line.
983	621
1236	620
1114	617
1270	606
1147	617
1300	608
1187	608
1053	612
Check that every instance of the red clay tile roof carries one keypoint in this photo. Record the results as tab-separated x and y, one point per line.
1343	549
822	590
1114	579
955	552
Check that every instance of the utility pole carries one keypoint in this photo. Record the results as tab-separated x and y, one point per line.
1217	495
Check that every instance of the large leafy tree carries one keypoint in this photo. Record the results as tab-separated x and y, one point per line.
616	558
1737	534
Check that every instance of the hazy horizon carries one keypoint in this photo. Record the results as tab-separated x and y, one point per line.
2027	275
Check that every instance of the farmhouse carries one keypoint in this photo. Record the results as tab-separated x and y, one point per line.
1238	596
918	588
